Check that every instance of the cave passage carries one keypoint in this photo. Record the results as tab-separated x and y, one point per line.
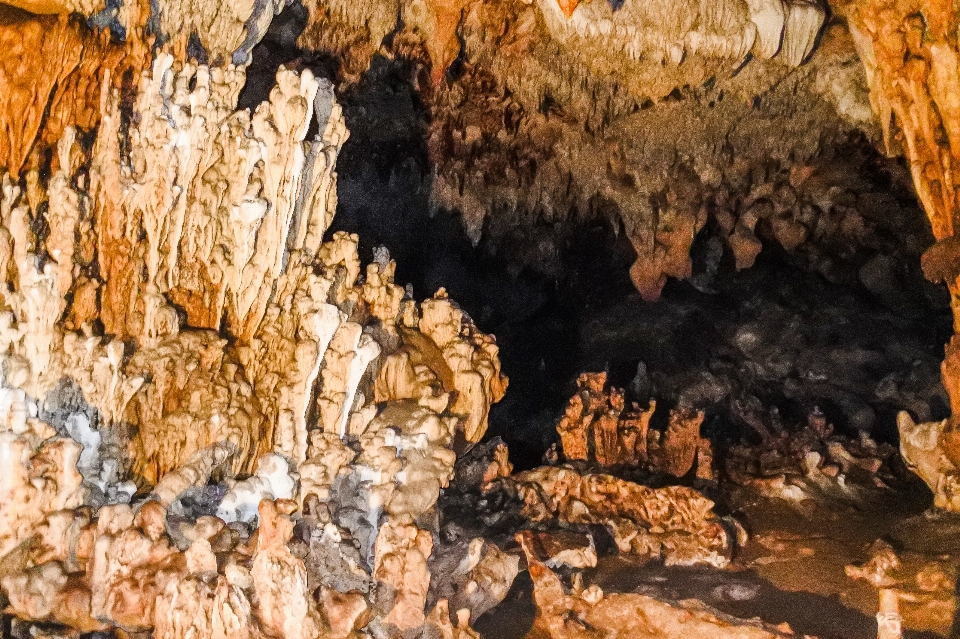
764	345
860	338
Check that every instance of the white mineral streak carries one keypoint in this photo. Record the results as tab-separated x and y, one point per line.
271	481
669	32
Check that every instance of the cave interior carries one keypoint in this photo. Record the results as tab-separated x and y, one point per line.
449	319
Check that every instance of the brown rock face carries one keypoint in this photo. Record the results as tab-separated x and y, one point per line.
53	72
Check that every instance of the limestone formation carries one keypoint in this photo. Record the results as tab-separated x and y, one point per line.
914	591
596	426
909	51
42	477
218	419
675	523
815	460
54	70
216	343
472	577
921	446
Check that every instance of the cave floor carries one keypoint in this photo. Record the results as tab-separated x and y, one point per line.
802	548
791	571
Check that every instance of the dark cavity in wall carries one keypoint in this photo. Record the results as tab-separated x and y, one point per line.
763	346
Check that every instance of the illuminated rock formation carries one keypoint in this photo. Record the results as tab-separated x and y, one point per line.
594	425
42	476
597	427
503	138
675	523
915	591
234	341
262	425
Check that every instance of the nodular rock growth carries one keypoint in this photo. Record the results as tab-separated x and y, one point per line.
216	422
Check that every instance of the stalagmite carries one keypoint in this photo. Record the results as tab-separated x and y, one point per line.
229	328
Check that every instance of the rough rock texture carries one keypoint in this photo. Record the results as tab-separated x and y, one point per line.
54	70
556	111
922	449
909	51
169	305
594	425
675	523
239	245
219	424
915	589
557	117
589	612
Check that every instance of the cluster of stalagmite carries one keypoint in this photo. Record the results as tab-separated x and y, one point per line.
597	427
219	424
173	323
214	423
530	70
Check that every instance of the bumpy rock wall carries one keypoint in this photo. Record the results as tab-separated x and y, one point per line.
909	51
559	111
172	317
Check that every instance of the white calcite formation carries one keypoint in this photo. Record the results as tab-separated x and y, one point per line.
271	481
235	386
668	32
922	449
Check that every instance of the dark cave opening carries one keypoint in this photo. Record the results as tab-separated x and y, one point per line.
859	336
559	299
